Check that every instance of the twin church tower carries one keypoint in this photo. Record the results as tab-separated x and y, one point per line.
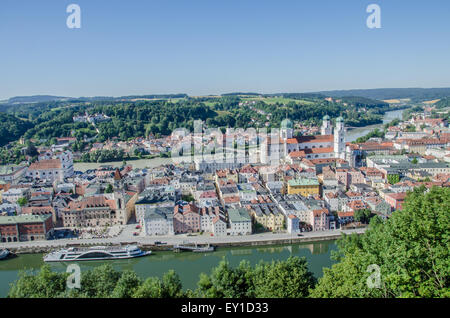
325	145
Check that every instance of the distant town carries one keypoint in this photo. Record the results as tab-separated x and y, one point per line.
319	182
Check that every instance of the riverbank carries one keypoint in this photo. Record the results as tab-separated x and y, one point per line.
148	243
187	265
355	133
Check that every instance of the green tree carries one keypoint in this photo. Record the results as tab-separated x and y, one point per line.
283	279
99	282
109	188
22	201
393	178
227	282
44	284
411	250
151	288
127	285
188	198
363	215
171	286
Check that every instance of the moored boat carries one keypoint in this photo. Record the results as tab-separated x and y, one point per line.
96	253
4	254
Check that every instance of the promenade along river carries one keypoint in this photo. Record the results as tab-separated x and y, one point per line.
188	265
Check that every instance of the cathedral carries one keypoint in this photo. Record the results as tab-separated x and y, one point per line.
326	145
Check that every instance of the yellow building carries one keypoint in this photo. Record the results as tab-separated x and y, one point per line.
303	186
259	217
276	221
270	218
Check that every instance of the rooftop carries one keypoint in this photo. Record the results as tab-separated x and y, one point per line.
239	215
303	182
25	218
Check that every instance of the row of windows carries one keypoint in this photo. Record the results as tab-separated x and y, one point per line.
43	173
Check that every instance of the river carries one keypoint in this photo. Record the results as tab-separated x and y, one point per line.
353	134
188	265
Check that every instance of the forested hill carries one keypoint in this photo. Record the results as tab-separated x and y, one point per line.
445	102
12	128
49	98
415	94
34	99
363	102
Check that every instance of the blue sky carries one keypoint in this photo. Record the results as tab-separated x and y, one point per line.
204	47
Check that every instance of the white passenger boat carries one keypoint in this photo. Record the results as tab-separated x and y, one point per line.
4	254
96	253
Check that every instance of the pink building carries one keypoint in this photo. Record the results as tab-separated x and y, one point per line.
320	220
349	176
186	219
355	177
395	200
342	176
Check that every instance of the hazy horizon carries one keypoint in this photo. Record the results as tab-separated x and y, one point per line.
221	93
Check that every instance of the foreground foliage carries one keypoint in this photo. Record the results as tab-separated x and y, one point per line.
289	278
411	250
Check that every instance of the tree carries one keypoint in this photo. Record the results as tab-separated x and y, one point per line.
393	178
410	250
188	198
151	288
283	279
31	150
363	215
99	282
45	284
109	188
227	282
127	285
171	286
22	201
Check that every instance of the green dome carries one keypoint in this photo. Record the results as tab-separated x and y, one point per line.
340	119
326	117
287	123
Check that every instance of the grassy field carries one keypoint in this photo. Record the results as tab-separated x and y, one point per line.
279	100
430	102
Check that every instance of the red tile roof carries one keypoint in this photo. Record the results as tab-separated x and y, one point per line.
46	165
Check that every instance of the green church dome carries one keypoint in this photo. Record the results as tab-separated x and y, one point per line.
287	123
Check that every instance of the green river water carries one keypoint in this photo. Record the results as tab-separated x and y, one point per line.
188	265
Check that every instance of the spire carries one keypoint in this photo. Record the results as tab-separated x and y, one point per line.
117	175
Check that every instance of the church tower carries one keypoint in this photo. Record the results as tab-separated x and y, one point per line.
339	139
326	126
286	129
286	132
